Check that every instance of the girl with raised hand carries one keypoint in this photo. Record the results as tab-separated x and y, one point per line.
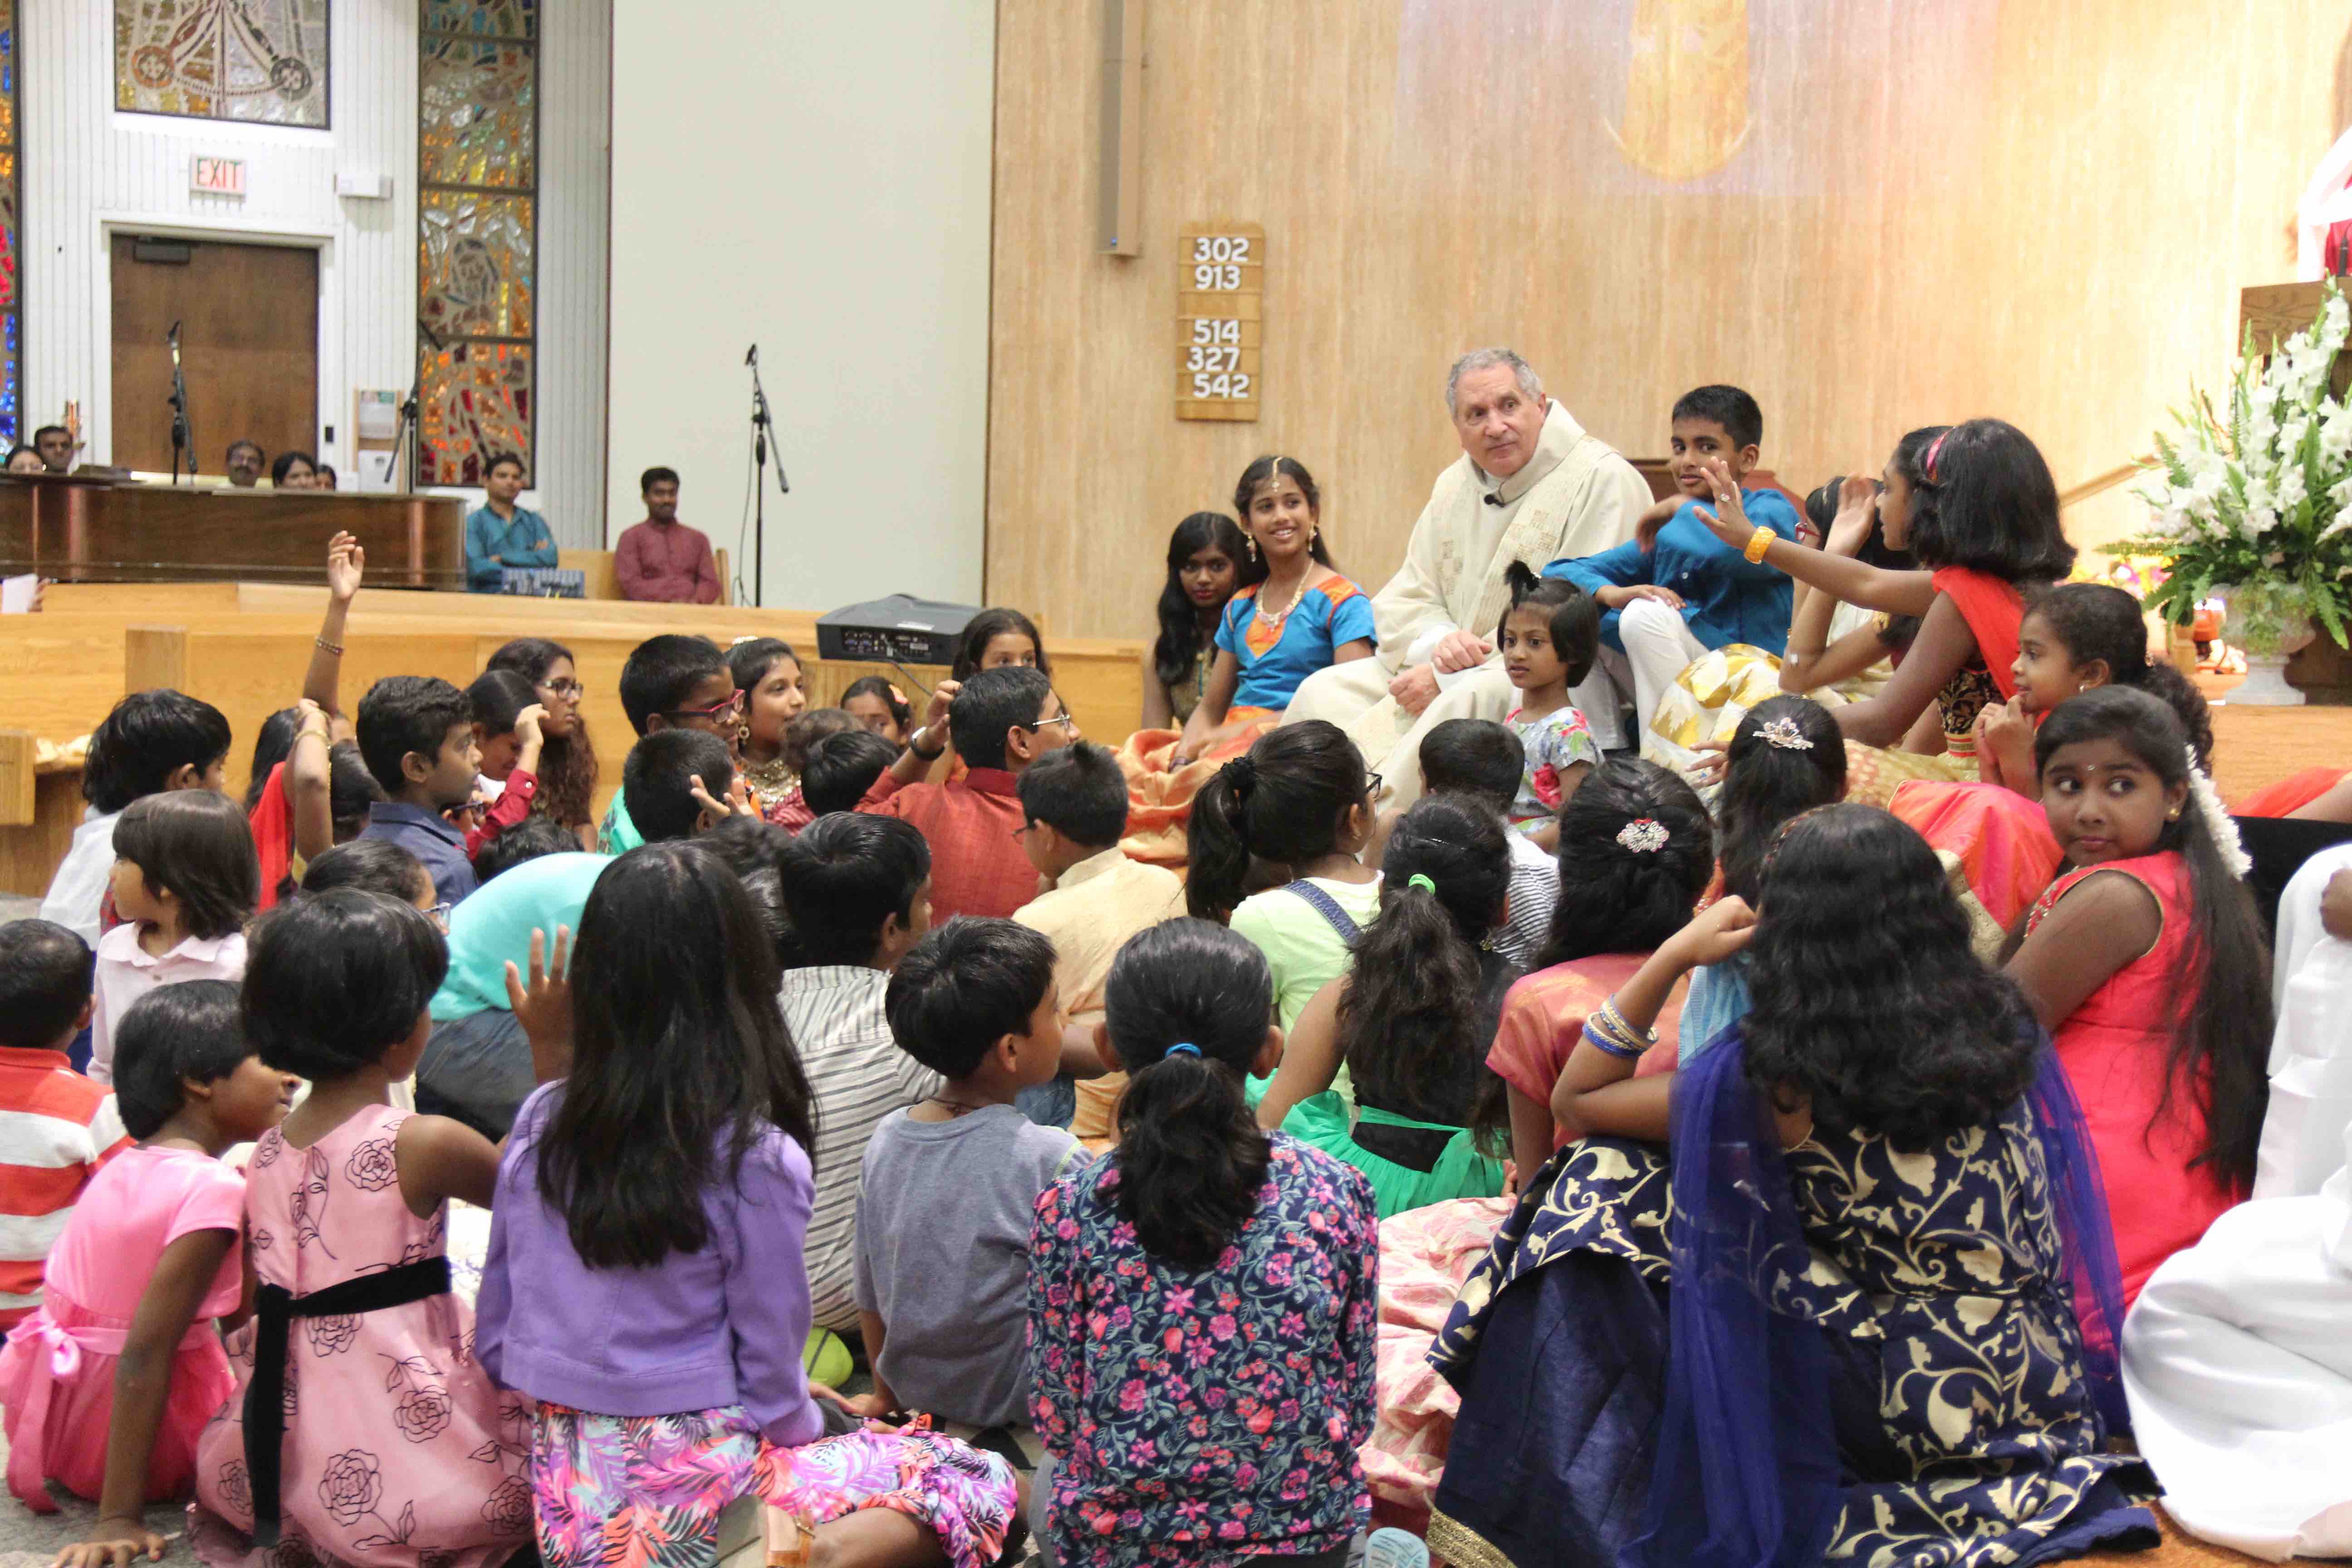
1204	564
1301	802
2147	961
1412	1020
1636	851
1983	523
664	1185
1201	1301
1814	1297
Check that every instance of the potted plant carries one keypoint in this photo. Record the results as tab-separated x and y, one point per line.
2257	508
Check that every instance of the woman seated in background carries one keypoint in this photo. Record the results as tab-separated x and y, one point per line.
294	471
1983	523
1293	615
1204	563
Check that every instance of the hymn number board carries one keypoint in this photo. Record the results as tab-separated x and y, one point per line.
1220	287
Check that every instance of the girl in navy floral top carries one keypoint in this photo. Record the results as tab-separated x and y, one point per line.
1203	1303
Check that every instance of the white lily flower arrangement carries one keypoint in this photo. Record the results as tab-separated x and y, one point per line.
2259	506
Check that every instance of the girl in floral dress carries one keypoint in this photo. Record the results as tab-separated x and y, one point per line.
645	1285
362	1430
1202	1302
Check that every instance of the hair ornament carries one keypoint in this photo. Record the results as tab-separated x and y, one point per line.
898	695
1783	734
2206	802
1418	880
1182	1049
1935	450
1643	836
1240	775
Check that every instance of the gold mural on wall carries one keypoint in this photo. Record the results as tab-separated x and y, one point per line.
263	62
1686	87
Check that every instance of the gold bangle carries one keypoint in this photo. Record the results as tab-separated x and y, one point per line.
1757	544
335	648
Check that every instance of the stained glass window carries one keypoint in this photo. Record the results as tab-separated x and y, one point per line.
12	313
259	60
477	234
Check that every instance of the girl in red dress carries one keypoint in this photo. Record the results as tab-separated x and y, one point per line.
2145	961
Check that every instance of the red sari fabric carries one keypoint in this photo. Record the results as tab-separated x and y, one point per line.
1994	610
2114	1048
273	836
2290	794
2002	839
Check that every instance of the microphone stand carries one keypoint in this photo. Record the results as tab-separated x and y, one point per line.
406	432
762	417
183	432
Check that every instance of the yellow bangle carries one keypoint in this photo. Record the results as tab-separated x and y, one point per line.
1757	544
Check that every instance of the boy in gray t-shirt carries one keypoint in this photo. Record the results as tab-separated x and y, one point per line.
950	1186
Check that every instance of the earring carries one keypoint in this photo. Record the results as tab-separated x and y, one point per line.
1251	539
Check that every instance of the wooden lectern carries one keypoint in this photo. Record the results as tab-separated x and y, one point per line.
81	528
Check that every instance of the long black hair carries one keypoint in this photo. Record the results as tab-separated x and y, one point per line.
2098	621
2220	1000
1191	1156
272	744
1786	757
1265	470
1986	502
986	628
1614	897
680	1057
1858	926
1909	460
1411	1013
1181	647
1287	802
567	764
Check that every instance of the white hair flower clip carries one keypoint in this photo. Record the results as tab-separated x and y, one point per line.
2206	801
1643	836
1783	734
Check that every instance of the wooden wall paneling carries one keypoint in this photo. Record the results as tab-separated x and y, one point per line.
249	331
29	853
2042	214
18	752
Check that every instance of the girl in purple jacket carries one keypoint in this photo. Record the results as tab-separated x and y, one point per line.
644	1281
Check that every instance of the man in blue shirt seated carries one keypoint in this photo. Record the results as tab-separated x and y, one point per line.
1674	591
500	534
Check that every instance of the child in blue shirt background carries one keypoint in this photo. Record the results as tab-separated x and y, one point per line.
1674	591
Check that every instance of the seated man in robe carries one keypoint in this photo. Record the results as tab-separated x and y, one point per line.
1531	485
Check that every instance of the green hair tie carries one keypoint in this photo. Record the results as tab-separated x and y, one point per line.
1423	883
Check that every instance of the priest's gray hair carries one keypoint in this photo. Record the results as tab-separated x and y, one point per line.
1486	359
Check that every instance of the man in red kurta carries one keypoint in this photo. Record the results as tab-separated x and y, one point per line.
661	558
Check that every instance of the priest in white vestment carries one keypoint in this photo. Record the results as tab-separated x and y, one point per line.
1532	485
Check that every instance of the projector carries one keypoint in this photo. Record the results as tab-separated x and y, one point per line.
900	629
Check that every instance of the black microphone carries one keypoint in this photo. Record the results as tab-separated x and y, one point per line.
754	356
173	337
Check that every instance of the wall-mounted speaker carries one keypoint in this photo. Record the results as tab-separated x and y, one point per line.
1119	223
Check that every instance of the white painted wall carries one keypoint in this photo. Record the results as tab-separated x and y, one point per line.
816	179
89	170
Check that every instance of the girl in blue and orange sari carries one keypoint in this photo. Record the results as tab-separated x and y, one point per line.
1293	614
1840	1290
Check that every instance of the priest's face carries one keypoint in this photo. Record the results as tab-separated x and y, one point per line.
1498	423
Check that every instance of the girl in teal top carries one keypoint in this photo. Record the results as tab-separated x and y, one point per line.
1412	1020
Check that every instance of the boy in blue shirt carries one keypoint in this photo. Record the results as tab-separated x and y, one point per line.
500	534
1674	591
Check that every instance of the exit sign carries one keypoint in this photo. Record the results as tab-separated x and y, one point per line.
219	176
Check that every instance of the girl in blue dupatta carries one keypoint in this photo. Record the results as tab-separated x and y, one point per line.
1860	1305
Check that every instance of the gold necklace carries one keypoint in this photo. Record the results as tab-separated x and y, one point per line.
1277	617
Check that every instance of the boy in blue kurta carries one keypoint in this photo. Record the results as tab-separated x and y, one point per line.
1674	591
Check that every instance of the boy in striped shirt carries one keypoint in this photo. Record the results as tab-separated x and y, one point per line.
56	1127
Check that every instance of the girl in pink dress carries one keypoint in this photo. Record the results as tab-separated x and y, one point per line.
149	1256
2145	961
362	1429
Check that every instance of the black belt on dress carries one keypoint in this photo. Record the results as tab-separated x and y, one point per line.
275	1309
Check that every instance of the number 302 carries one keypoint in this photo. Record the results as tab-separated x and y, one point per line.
1231	385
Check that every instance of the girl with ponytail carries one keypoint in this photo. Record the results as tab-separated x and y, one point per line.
1299	800
1412	1020
2147	963
1207	1291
